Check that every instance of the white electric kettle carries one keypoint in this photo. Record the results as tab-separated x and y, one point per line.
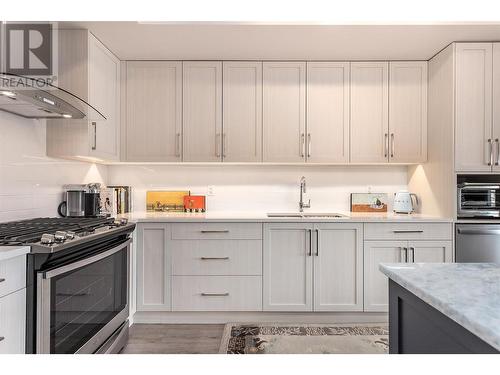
403	202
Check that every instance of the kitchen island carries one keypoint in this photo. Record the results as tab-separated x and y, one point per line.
444	308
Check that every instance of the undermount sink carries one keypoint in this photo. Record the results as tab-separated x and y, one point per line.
306	215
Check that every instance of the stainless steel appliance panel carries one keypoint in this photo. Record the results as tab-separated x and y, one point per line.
477	243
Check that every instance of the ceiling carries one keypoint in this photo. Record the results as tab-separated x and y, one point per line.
227	41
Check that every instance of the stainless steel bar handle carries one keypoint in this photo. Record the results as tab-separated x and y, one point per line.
215	231
407	231
386	144
94	146
308	145
302	145
317	242
412	249
214	258
2	280
217	145
498	151
224	143
490	145
85	262
406	254
392	145
178	144
478	231
310	242
215	294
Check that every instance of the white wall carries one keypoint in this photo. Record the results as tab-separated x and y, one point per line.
261	187
30	182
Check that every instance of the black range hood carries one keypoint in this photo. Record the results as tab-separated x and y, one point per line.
35	98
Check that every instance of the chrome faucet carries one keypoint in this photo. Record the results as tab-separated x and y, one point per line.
303	205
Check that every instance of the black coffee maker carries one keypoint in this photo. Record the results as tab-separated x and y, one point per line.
81	201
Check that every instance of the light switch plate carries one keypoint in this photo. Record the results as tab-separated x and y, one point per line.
210	190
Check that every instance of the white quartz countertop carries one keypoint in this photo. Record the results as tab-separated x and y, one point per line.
241	216
7	252
468	293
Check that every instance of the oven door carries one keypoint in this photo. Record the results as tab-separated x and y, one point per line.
81	304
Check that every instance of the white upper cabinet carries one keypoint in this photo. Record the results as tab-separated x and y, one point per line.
89	70
327	139
369	133
242	112
408	111
496	106
284	117
202	111
153	125
473	107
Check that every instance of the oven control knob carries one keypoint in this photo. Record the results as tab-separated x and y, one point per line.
70	235
47	239
123	221
60	236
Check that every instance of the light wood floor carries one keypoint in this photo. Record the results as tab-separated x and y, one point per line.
174	339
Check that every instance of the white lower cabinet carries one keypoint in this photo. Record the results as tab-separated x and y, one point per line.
217	293
376	290
313	267
153	267
13	323
13	305
338	267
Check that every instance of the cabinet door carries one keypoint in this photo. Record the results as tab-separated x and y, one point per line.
153	267
242	112
338	267
287	267
284	116
154	111
430	251
327	112
369	112
473	106
104	94
202	111
13	323
408	111
496	106
376	289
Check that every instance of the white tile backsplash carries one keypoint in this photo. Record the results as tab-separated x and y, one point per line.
30	182
261	187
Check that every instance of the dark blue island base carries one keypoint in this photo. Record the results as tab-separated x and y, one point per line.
415	327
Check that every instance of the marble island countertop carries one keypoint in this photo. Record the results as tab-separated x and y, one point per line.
468	293
246	216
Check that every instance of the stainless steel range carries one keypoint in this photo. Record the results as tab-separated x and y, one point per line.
77	282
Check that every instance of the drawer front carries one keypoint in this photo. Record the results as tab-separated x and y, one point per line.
217	231
12	275
217	257
408	231
217	293
13	323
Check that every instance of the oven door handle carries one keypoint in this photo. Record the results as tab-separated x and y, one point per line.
84	262
478	231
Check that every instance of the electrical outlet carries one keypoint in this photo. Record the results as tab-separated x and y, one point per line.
210	190
369	188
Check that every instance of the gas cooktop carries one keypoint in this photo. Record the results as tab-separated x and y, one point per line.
54	234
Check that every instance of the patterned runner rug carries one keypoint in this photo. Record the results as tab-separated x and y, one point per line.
304	339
